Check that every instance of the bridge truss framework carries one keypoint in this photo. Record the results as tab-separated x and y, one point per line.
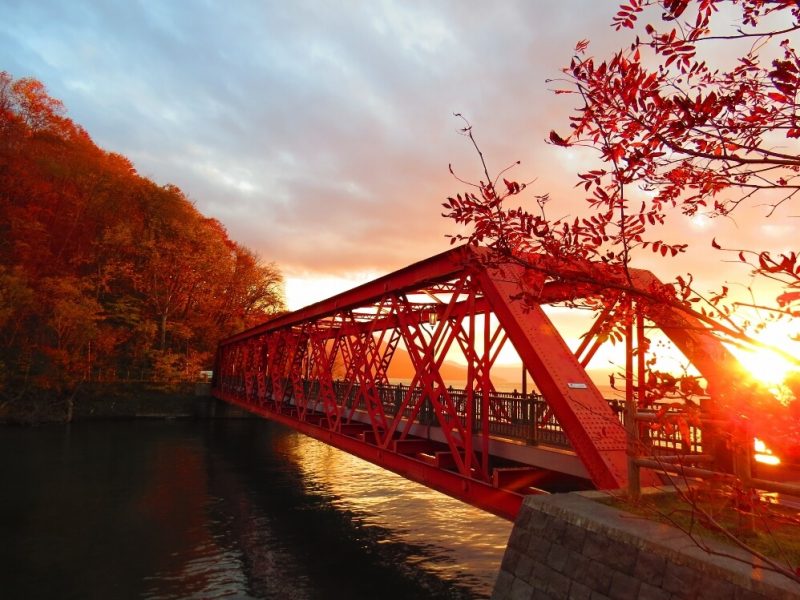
324	371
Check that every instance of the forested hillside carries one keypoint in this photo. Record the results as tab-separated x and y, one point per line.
105	275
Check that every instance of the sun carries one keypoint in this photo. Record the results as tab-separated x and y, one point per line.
770	366
766	366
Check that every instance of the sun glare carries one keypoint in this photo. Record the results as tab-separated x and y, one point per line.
766	365
302	290
763	454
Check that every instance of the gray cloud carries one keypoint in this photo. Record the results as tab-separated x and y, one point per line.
319	133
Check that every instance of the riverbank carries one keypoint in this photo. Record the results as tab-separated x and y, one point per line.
121	400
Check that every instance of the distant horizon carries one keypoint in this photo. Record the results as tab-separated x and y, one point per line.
502	375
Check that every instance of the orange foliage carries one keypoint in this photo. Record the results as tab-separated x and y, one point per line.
103	273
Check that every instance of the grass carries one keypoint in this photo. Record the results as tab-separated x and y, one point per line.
768	528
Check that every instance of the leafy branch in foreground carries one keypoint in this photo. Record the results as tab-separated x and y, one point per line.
675	135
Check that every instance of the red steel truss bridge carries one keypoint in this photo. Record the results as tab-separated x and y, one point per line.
324	371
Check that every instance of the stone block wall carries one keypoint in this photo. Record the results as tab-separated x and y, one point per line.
569	546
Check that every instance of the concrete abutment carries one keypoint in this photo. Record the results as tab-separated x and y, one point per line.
570	546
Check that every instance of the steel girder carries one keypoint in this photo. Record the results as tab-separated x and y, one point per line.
324	371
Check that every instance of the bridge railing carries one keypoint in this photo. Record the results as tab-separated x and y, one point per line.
511	415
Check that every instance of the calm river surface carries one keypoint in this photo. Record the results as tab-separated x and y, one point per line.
225	508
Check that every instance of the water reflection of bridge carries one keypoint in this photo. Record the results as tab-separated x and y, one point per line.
324	371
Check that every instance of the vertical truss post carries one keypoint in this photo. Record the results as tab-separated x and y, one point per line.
471	375
485	397
631	426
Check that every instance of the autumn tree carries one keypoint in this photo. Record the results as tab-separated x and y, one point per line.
703	118
691	124
103	273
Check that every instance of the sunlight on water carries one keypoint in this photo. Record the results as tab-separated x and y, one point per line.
231	508
461	543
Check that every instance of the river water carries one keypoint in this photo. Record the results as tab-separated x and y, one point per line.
225	508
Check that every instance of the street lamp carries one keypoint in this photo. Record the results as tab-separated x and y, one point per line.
433	317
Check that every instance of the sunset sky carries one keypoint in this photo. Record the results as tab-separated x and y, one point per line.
319	133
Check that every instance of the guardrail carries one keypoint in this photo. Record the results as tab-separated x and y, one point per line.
526	418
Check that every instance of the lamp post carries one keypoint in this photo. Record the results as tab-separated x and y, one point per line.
433	317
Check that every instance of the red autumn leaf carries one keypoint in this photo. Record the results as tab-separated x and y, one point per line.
788	298
513	186
557	139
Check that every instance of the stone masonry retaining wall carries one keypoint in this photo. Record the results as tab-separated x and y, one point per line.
569	546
